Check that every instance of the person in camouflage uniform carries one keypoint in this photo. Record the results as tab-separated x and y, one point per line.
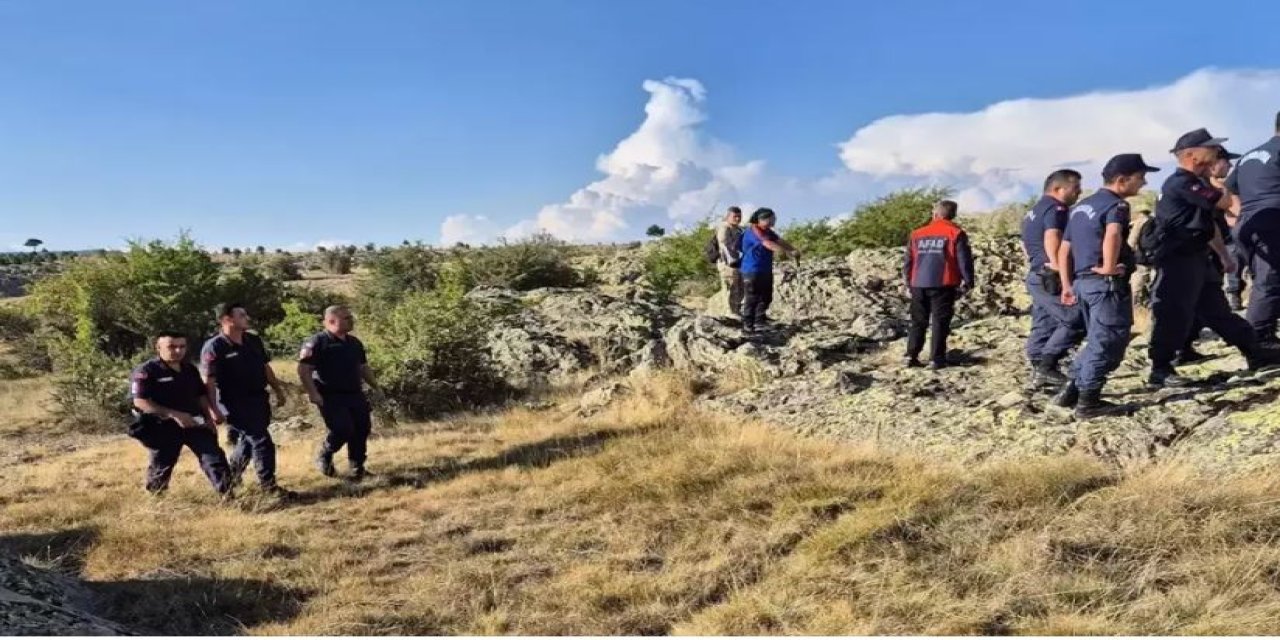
1140	283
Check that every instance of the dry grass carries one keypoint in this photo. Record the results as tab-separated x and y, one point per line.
652	518
24	404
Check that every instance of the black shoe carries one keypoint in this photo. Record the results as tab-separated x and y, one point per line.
1167	378
358	473
1233	299
1067	396
279	492
324	462
936	365
1091	405
1047	374
1188	356
1262	357
913	362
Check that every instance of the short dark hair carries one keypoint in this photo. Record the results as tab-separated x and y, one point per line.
226	309
1062	177
167	333
736	210
761	214
949	208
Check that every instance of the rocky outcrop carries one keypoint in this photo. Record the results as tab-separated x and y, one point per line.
34	602
831	366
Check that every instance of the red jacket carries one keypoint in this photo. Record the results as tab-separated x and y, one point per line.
938	255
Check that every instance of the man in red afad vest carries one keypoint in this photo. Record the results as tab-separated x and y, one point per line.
938	269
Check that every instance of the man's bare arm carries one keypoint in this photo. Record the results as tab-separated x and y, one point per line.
304	376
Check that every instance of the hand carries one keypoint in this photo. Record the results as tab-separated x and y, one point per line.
1117	271
1068	296
184	420
216	416
316	398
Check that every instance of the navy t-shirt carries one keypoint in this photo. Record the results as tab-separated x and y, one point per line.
1047	214
757	258
1087	227
337	362
179	390
239	370
1256	178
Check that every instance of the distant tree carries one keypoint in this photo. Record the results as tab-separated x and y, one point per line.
259	249
349	249
370	247
405	243
279	251
237	252
654	231
322	249
32	243
226	251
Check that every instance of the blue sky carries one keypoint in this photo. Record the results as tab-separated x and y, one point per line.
287	123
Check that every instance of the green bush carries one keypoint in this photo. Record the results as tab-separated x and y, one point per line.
285	337
89	387
429	352
394	274
283	267
15	323
261	294
536	262
336	262
885	222
676	263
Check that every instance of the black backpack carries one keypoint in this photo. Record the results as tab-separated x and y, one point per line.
1150	242
712	251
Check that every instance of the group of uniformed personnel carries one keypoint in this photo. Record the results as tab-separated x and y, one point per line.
179	404
1209	218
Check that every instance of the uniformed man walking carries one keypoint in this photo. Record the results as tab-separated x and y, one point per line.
1183	289
938	268
1056	328
237	371
172	411
1095	261
1256	185
1217	275
331	366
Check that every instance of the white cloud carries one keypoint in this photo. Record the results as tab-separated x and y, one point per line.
669	169
467	229
1003	151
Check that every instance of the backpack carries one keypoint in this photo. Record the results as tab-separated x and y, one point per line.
712	251
1150	242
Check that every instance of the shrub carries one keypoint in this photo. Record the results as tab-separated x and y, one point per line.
533	263
89	387
429	352
677	262
14	323
396	273
337	262
286	336
283	267
885	222
261	294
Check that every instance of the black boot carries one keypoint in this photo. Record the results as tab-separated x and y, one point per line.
913	362
1047	373
358	473
1261	357
1188	355
1091	405
1067	396
324	462
1162	377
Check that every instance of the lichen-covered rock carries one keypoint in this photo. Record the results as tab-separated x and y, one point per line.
34	602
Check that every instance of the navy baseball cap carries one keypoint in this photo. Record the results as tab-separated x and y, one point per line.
1126	164
1197	138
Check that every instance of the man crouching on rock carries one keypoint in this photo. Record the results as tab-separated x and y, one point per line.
172	411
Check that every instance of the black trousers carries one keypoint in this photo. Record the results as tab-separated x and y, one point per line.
1184	292
166	446
757	295
349	421
249	419
931	309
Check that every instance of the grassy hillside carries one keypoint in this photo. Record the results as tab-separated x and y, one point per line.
650	517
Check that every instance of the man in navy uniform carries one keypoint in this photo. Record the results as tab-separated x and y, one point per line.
332	367
1255	182
938	268
1056	328
1217	275
173	411
236	371
1183	289
1095	262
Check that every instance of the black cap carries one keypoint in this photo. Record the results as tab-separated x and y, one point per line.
1125	164
1223	154
1197	138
